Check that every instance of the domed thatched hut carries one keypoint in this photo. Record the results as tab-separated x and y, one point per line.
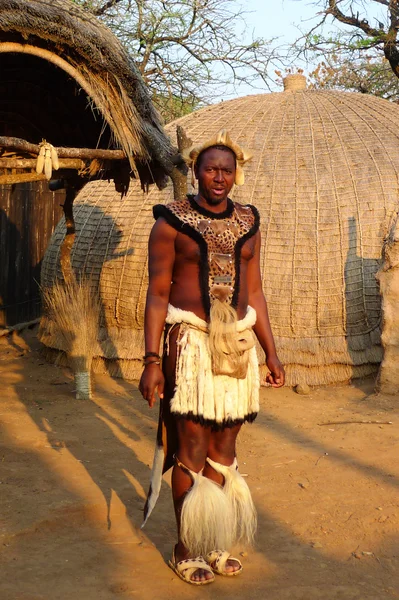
324	176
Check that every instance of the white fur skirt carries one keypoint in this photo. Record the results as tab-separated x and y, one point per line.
199	395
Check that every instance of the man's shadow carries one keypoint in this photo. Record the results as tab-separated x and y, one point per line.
97	244
104	440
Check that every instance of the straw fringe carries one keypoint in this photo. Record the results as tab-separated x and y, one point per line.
128	344
110	344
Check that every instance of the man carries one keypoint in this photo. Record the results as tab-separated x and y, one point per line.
205	284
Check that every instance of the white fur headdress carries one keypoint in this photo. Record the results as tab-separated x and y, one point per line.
221	138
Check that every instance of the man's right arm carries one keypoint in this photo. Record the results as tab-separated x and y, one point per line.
161	258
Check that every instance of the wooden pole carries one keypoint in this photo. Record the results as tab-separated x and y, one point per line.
13	143
66	246
179	175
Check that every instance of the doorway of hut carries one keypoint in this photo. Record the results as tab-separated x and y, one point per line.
29	213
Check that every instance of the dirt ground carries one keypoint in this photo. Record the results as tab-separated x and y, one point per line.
73	476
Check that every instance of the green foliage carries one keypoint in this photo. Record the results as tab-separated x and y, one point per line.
315	38
366	42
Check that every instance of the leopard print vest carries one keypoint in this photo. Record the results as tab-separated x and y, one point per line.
220	237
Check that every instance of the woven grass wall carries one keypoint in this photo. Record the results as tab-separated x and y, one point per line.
324	176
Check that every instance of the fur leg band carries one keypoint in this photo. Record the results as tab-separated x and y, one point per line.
207	518
239	497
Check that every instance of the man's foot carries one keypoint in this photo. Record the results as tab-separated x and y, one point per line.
192	570
222	563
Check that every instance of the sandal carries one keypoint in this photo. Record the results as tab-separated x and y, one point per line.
185	568
217	561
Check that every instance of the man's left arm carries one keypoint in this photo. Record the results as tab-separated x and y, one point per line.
262	329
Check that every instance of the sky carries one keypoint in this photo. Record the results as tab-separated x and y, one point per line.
281	19
273	19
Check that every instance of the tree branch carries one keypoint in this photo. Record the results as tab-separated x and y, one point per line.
352	20
98	12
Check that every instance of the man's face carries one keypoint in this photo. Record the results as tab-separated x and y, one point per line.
215	173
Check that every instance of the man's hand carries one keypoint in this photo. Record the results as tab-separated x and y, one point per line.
152	379
276	377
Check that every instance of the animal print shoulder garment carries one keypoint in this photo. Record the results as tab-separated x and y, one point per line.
220	237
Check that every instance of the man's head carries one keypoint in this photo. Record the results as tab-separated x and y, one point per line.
220	140
215	170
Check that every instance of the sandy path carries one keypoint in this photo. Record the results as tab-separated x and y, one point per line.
73	475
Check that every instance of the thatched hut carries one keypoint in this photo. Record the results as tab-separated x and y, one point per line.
67	80
324	177
388	277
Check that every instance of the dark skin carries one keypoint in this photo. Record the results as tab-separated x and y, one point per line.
174	260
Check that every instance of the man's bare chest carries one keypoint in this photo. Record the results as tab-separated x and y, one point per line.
188	250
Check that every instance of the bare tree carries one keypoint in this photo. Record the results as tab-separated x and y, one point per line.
366	26
188	51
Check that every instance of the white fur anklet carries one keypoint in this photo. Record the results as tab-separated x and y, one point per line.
207	518
239	496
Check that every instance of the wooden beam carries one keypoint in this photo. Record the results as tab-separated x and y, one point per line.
13	143
30	163
21	178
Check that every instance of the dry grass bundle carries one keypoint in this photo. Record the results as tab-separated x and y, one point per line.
75	311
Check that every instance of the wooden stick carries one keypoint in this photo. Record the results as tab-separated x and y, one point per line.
13	143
